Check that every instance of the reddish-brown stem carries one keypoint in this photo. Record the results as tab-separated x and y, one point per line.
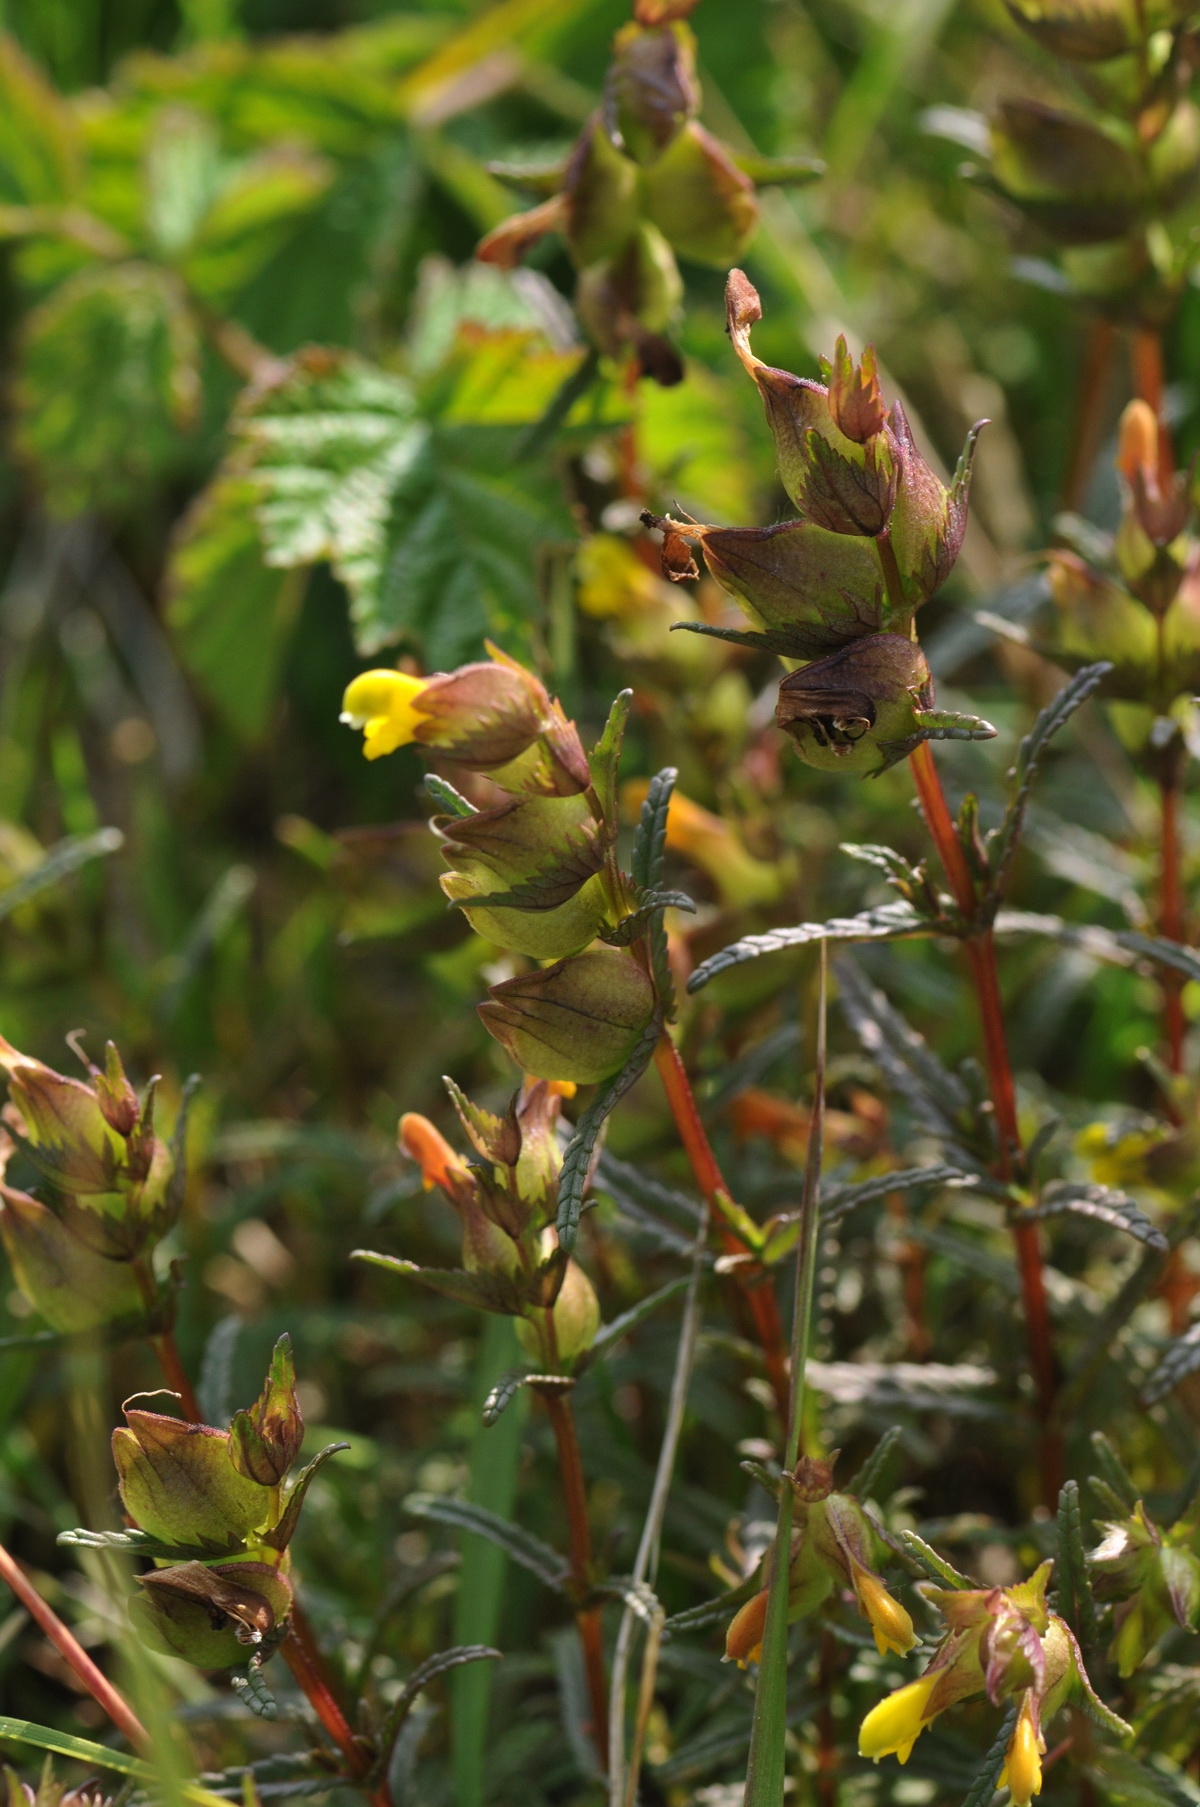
758	1294
73	1653
1146	356
176	1376
305	1668
1170	918
579	1531
981	956
1089	412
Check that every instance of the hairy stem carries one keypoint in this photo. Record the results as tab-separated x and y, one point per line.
981	957
579	1531
73	1653
758	1293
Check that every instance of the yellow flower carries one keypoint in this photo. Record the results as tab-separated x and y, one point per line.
893	1727
891	1624
383	705
1022	1772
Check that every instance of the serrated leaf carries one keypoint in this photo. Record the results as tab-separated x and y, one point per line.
934	1565
698	1618
1103	1203
868	1475
1181	1359
985	1784
421	1677
1120	947
841	1200
577	1159
255	1693
1004	841
1075	1599
1125	1781
39	151
889	922
326	448
280	1536
251	216
140	1543
109	379
520	1544
485	1291
466	526
605	756
230	614
509	1385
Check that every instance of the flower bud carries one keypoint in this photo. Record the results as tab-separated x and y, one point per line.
580	1019
1155	1578
637	289
73	1286
485	1247
855	398
1152	548
1070	176
650	90
823	589
891	1624
600	198
701	202
211	1615
179	1483
857	710
265	1441
69	1135
575	1318
744	1638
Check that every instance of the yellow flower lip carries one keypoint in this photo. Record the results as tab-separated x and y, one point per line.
893	1726
1022	1773
888	1619
384	705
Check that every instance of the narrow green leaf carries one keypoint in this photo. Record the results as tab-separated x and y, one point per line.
1075	1599
889	922
60	861
610	1335
867	1478
1113	1470
934	1565
578	1157
986	1782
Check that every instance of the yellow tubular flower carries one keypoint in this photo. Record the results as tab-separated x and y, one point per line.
384	705
1022	1772
893	1727
891	1624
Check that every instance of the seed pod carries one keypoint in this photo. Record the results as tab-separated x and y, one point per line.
211	1614
1079	31
575	1316
701	202
1071	176
74	1287
542	856
600	197
578	1020
179	1483
857	710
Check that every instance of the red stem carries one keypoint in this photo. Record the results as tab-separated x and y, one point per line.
981	955
73	1653
759	1294
1089	412
1146	356
579	1531
1170	916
